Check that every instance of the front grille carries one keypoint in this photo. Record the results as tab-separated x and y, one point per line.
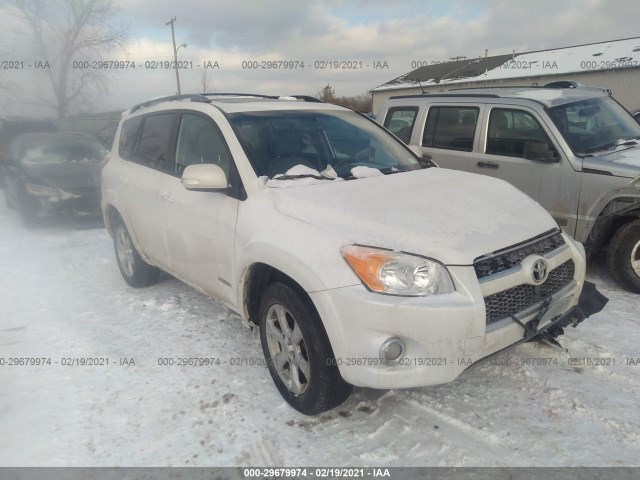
512	256
509	302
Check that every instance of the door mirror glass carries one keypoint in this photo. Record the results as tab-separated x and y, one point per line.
204	176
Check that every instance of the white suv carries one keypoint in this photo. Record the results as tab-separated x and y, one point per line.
360	264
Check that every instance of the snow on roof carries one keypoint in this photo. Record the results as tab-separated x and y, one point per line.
615	54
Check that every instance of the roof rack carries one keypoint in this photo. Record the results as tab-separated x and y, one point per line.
189	96
437	94
225	94
306	98
204	98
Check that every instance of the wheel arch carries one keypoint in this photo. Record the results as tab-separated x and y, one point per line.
617	212
111	215
255	279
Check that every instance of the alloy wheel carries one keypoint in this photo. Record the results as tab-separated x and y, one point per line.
287	349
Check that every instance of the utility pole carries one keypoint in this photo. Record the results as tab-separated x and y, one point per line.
175	53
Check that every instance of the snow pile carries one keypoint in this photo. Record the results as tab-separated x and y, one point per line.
362	171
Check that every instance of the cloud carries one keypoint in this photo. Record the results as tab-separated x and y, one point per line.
236	31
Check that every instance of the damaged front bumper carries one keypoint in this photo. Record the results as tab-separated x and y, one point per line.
591	301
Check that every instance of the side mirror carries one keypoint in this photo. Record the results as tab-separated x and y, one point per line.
540	151
204	176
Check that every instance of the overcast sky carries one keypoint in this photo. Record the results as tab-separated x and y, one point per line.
386	34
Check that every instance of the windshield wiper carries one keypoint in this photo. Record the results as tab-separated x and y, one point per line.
391	170
611	146
305	175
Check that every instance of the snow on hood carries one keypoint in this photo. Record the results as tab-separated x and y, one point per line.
362	171
279	181
448	215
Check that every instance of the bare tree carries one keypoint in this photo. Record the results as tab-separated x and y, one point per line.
327	94
65	31
361	103
206	81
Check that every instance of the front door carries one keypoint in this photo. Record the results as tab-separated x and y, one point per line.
200	225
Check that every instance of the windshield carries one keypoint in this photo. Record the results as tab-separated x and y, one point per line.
594	125
277	141
63	149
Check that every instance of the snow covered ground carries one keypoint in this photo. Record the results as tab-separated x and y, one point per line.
62	297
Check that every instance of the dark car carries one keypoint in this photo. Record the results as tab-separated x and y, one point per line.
49	173
11	127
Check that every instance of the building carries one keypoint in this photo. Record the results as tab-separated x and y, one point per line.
614	65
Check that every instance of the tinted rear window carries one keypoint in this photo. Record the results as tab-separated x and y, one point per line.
128	137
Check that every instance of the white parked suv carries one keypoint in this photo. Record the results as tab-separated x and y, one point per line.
360	264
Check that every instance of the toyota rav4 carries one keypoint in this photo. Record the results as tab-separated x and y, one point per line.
359	263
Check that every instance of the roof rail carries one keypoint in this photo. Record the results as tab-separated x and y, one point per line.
496	87
308	98
436	94
188	96
527	87
225	94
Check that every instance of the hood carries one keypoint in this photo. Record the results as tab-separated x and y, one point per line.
68	176
621	163
451	216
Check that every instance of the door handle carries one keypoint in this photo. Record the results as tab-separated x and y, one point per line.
492	165
167	196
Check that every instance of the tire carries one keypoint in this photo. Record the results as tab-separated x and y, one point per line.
623	256
135	271
299	356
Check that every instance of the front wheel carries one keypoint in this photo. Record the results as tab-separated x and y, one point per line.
623	256
298	352
135	271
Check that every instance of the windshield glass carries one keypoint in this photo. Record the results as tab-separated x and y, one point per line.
594	125
277	141
63	149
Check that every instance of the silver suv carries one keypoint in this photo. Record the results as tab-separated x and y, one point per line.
574	150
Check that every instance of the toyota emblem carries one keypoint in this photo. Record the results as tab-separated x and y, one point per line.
540	271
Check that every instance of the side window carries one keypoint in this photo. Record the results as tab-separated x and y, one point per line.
400	121
128	135
200	141
155	145
515	133
451	128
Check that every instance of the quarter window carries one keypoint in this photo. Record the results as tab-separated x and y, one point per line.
400	121
128	134
199	141
451	128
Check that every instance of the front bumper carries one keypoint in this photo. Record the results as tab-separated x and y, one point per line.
443	335
85	200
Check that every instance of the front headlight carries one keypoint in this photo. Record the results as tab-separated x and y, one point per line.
396	273
41	190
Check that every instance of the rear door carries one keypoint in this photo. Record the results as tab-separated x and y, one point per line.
150	157
200	225
450	135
